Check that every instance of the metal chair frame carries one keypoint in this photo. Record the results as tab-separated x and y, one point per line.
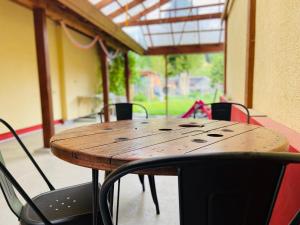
16	185
141	177
296	219
9	186
179	163
229	103
114	104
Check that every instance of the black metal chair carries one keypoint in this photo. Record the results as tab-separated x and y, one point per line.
216	189
222	110
296	219
66	206
124	111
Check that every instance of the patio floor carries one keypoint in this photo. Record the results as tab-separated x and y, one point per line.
136	207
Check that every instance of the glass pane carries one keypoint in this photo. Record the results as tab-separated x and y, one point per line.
189	38
135	10
210	24
163	28
210	37
110	8
162	40
124	2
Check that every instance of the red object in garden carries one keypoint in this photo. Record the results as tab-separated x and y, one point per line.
198	105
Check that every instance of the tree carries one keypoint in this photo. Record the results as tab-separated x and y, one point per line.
217	69
116	73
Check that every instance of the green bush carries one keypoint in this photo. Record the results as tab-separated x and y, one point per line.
140	97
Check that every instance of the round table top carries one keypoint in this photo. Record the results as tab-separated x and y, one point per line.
106	146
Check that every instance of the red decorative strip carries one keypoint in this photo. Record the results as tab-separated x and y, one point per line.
8	135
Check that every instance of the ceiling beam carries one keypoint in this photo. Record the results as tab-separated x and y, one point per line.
129	6
186	32
185	49
58	12
91	14
192	7
172	19
148	10
103	3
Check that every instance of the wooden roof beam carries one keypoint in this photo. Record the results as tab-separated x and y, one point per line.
103	3
129	6
172	19
185	49
192	7
91	14
57	12
148	10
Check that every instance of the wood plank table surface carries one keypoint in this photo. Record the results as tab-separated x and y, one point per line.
106	146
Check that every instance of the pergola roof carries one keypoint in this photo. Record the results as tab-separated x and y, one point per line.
159	25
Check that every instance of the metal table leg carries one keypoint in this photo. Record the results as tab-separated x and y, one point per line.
95	197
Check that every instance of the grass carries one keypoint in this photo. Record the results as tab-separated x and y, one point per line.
177	105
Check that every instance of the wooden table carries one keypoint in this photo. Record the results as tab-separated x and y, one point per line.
107	146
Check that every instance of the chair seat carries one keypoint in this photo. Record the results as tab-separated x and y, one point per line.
72	205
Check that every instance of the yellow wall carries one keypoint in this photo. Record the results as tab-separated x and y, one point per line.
19	92
19	89
81	70
236	51
277	57
277	61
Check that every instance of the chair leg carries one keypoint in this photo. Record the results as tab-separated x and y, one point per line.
153	193
110	196
141	177
118	201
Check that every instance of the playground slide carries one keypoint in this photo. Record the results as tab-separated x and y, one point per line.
198	105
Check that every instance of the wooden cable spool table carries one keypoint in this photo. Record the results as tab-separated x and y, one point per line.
107	146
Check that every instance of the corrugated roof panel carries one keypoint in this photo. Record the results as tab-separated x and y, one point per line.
162	40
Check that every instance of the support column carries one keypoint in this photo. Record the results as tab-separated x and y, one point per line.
42	51
105	82
127	76
166	85
250	52
225	57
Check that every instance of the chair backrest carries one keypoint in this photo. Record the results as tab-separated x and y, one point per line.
124	110
222	110
8	191
7	181
16	136
296	219
214	189
7	184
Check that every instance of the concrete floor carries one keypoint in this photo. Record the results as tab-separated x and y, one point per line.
136	207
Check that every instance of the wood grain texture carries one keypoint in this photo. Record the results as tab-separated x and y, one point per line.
107	146
42	52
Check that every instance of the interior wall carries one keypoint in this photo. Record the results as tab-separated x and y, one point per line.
236	51
19	90
81	76
277	57
74	72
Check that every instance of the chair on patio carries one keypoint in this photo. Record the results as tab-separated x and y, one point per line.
296	219
222	110
124	111
216	189
66	206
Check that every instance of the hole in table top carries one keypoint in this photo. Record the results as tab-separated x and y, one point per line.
197	140
215	135
122	139
227	130
108	128
165	129
145	122
191	125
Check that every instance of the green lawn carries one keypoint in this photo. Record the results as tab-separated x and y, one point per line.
177	105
